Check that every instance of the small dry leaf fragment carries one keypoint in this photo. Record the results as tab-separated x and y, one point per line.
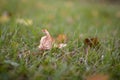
91	42
46	41
61	38
62	45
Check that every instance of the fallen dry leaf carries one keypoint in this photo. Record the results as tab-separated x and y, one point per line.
91	42
46	41
62	45
61	38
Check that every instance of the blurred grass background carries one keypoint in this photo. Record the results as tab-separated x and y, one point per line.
21	22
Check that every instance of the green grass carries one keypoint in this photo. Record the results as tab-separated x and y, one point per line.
75	19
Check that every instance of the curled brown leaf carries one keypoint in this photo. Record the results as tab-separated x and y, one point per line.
46	41
91	42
